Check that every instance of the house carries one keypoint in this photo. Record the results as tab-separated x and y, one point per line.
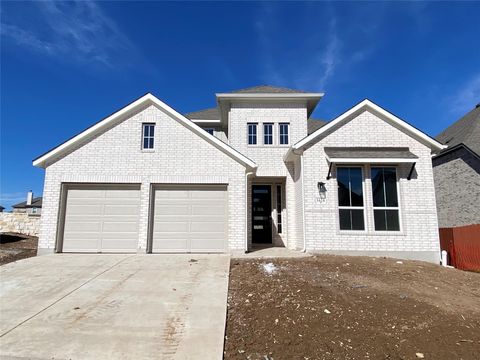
253	170
457	172
32	206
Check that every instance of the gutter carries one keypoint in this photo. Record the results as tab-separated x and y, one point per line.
304	249
246	209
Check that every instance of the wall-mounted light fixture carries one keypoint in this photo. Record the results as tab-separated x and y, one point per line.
322	190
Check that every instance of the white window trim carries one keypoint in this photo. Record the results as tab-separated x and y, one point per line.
248	133
280	133
272	134
398	207
149	137
365	225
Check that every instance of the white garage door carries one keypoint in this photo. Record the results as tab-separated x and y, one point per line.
101	219
190	219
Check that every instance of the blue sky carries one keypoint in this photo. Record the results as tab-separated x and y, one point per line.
65	66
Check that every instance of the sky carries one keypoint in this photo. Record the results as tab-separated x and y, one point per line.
66	65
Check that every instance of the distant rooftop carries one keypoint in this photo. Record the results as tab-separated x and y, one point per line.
205	114
36	202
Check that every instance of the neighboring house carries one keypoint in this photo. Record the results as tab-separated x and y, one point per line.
457	172
150	179
1	208
32	206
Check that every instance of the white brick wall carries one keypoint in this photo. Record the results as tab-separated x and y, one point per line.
417	196
115	156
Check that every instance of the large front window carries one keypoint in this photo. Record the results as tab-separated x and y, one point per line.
385	199
283	132
252	134
350	198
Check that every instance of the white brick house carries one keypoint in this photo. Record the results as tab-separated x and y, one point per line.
256	169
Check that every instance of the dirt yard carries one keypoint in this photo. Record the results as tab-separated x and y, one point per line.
334	307
14	247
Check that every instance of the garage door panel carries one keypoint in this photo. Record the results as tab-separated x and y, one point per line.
192	218
101	220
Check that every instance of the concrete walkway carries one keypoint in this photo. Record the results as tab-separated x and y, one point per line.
114	307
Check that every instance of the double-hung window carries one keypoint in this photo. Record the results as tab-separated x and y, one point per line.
268	134
283	133
385	199
148	136
252	133
350	198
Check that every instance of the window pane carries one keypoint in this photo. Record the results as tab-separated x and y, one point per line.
345	221
377	187
283	134
150	144
390	178
145	143
152	129
380	220
356	186
343	187
146	130
393	223
357	220
252	134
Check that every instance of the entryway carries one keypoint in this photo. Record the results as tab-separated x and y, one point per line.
261	214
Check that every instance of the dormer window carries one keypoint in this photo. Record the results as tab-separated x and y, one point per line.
284	133
268	134
148	136
252	133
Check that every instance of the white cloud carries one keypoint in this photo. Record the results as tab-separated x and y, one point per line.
467	96
78	31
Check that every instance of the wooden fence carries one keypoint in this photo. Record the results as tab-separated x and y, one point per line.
463	246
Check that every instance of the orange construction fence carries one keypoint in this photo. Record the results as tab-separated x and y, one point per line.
462	245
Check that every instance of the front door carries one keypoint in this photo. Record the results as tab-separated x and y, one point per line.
261	214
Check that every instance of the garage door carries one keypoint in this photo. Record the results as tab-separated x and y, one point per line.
190	219
101	219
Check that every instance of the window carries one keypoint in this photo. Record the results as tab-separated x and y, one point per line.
279	209
267	134
252	134
385	199
283	133
350	198
210	130
148	136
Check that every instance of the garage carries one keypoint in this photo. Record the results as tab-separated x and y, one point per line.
190	218
101	218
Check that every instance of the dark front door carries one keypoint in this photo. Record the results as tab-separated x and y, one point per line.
261	214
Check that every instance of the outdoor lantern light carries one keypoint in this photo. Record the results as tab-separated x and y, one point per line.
322	190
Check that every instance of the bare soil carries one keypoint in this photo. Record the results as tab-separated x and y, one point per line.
15	247
335	307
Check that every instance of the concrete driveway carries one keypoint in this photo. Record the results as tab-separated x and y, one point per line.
114	307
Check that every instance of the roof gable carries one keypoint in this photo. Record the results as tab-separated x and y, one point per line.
359	108
145	100
464	131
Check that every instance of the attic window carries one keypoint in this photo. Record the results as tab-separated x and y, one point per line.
148	136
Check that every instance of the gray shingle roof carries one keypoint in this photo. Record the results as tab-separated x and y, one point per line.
465	131
314	124
267	89
36	202
370	152
205	114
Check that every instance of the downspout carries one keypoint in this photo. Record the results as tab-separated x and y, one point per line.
304	249
246	209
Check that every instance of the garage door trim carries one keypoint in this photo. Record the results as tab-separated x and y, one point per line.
65	187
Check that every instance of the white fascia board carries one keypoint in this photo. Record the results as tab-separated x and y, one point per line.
206	121
434	145
370	160
40	162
